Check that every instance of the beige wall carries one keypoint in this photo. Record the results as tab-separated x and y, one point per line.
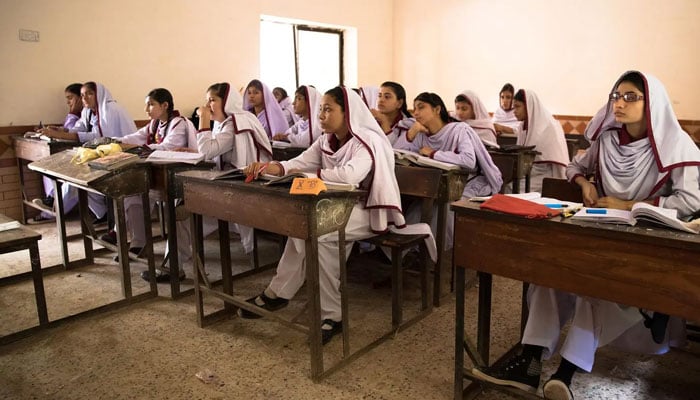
132	46
568	51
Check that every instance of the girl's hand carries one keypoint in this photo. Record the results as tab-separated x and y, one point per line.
280	137
588	192
614	202
426	151
415	129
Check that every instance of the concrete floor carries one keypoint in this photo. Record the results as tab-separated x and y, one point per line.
154	349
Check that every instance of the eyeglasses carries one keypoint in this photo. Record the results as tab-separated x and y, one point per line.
628	97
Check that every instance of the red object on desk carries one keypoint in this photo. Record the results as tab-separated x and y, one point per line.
516	206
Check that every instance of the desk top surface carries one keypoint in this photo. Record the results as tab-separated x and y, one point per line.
641	231
16	236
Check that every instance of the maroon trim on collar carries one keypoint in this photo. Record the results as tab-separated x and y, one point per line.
527	121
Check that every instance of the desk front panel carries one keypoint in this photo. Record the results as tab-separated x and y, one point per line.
655	269
36	149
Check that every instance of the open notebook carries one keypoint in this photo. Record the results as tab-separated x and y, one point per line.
667	217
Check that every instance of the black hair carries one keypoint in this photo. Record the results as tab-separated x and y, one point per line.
338	95
434	100
520	96
281	91
256	84
74	88
91	85
162	95
634	78
221	90
507	88
400	93
463	99
302	91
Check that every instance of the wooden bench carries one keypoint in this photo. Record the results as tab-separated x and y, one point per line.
421	183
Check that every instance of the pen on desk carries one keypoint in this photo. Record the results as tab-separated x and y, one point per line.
596	211
557	205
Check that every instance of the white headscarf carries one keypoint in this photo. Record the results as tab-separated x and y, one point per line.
641	167
313	102
112	118
288	109
370	96
250	141
273	117
481	123
384	198
545	133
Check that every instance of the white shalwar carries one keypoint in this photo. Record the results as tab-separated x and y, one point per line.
663	167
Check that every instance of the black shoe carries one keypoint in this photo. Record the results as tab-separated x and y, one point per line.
109	237
657	324
263	302
554	389
134	250
519	372
45	203
161	276
330	328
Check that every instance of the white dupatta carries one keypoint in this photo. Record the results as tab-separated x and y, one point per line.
481	123
545	133
250	141
639	169
112	118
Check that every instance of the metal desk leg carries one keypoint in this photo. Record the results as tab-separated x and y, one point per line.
197	260
483	338
84	228
344	292
459	334
61	221
226	272
149	240
38	284
312	282
173	256
440	242
123	247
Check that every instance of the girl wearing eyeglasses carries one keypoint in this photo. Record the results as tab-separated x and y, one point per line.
541	130
638	153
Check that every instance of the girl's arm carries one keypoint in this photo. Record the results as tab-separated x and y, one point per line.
212	145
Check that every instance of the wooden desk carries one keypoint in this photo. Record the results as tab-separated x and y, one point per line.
26	239
653	268
163	179
272	209
28	150
523	158
286	153
133	179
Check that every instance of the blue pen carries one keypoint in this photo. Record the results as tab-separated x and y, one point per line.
596	211
555	205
